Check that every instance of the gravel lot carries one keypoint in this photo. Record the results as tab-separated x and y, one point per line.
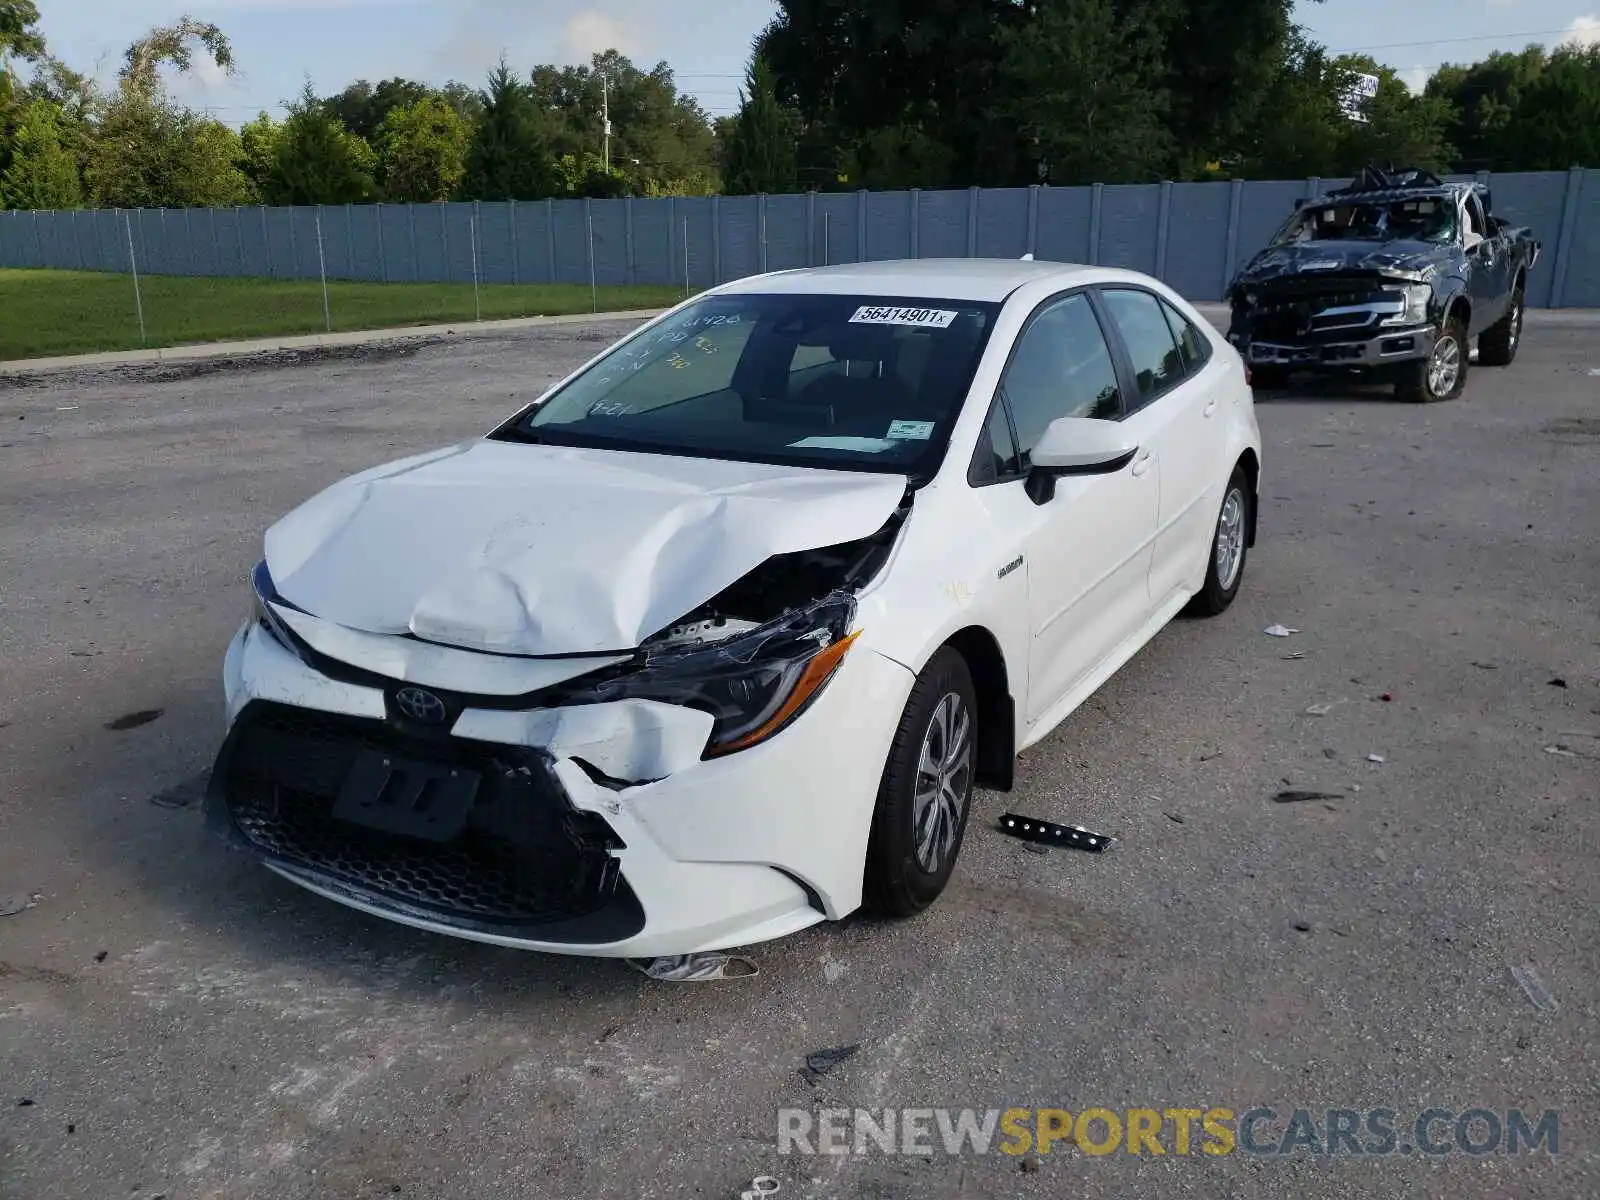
185	1025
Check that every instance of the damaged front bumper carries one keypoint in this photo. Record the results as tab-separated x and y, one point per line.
539	840
1389	348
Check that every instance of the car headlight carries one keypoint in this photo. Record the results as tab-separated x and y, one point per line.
753	684
1416	297
263	590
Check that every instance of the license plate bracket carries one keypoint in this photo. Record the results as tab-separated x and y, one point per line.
429	801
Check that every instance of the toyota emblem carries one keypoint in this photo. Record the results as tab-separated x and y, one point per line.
421	706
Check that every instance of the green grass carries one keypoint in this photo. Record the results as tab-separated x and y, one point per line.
73	312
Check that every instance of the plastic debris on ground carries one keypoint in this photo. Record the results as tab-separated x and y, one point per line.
761	1185
1322	710
1538	994
1048	833
1295	657
1558	682
1279	631
1375	758
823	1062
695	968
10	906
1298	796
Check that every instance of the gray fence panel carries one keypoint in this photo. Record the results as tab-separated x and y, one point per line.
1262	211
739	226
572	242
358	258
532	243
496	247
1581	287
1128	229
889	217
396	264
696	212
610	219
9	252
1063	227
1197	239
1534	199
942	224
276	245
657	253
1003	223
836	228
786	233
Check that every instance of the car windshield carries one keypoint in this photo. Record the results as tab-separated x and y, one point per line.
1426	219
855	382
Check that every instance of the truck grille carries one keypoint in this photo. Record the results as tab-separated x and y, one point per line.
523	857
1292	310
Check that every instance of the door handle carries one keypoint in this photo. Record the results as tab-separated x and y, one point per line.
1143	463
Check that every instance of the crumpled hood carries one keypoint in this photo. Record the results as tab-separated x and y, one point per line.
536	550
1400	258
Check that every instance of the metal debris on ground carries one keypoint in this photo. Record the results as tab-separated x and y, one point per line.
1031	829
1322	710
695	968
824	1062
1279	631
761	1185
1173	817
1486	666
1375	758
1296	796
1530	982
1295	657
1561	750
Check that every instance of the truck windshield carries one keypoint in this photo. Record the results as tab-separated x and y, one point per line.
1430	219
867	383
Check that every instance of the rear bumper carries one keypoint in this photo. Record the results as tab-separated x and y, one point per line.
1389	348
714	854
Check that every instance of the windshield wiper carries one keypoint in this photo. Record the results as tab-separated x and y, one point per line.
516	433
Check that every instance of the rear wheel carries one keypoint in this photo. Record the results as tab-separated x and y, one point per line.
1497	346
926	791
1441	375
1225	570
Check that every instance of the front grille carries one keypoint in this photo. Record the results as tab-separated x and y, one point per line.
1287	310
523	856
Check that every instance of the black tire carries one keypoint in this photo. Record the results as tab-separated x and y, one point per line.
1415	382
1268	378
1214	597
1497	345
897	883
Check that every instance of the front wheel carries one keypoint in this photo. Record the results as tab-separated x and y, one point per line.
926	791
1229	546
1443	374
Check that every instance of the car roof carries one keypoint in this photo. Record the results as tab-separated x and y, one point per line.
1432	191
988	280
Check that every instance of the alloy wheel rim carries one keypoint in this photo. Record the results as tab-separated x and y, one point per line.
1516	322
1230	539
943	782
1444	366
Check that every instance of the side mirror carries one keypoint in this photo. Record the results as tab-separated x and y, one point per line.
1077	446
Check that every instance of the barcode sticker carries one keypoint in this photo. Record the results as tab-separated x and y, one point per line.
921	318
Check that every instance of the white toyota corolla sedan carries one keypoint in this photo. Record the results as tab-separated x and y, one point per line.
713	641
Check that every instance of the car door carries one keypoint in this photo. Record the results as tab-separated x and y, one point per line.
1088	551
1175	402
1488	283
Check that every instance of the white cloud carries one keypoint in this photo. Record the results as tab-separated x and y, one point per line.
1584	31
589	32
1415	78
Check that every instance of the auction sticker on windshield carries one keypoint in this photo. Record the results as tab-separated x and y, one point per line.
922	318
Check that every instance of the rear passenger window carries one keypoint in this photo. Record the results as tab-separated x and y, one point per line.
1157	361
1192	344
1060	368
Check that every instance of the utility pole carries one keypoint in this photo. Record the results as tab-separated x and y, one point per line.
605	121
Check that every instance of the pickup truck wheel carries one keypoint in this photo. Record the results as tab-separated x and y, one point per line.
1497	345
1441	375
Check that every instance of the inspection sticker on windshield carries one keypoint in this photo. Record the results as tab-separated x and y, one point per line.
921	318
910	431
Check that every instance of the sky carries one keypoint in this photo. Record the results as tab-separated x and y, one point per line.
278	44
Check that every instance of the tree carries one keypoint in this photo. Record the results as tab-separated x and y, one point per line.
19	38
1556	124
1079	91
362	108
171	44
258	151
509	157
317	161
759	154
1485	96
42	173
422	151
1401	129
1301	128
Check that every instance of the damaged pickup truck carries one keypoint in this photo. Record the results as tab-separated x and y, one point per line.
712	642
1394	276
